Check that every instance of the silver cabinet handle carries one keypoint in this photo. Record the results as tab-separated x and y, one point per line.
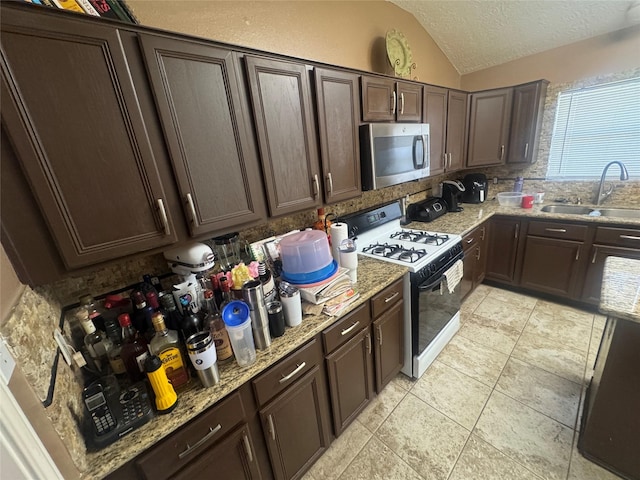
578	253
299	367
388	299
272	429
368	337
330	181
595	255
247	447
482	230
559	230
477	253
517	230
445	159
163	217
470	240
394	103
380	335
350	329
450	159
192	209
189	450
402	104
629	237
501	152
316	185
526	150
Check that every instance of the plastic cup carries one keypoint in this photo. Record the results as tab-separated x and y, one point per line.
238	321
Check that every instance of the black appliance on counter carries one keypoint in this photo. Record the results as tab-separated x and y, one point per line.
452	191
427	210
476	188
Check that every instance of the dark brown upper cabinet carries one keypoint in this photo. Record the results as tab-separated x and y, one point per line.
387	100
526	119
338	101
446	113
281	98
206	126
74	121
489	122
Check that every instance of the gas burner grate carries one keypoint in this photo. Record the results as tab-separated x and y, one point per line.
381	249
395	252
421	237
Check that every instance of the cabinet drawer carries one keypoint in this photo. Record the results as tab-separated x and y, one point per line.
558	230
346	328
191	440
472	238
384	300
621	237
287	371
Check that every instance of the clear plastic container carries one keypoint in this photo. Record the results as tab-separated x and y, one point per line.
305	252
238	321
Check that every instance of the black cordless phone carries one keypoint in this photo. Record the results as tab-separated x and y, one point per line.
111	413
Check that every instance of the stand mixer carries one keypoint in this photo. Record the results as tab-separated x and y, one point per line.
188	261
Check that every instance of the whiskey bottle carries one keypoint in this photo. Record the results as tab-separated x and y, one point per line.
134	349
166	345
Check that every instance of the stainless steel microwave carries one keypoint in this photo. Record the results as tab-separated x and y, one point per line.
393	153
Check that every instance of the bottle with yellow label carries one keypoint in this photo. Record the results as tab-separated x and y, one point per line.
166	345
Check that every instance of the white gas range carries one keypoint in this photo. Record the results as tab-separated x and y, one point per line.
433	259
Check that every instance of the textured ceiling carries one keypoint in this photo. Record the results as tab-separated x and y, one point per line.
477	34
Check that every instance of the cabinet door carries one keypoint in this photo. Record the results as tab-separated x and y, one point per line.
232	458
338	99
409	99
593	278
481	256
206	126
350	372
456	129
388	339
551	265
81	137
296	426
526	118
468	266
284	123
504	235
489	127
379	100
435	114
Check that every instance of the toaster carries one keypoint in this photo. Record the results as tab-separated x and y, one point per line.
427	210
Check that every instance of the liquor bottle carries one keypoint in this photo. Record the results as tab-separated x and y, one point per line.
323	223
152	300
114	354
95	343
217	293
142	313
268	285
134	349
191	322
225	289
87	303
172	316
213	321
166	345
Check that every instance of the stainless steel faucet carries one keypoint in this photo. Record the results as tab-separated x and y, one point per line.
624	175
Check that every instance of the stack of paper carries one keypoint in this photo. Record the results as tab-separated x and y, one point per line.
335	294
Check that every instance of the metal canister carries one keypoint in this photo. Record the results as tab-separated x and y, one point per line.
202	353
253	295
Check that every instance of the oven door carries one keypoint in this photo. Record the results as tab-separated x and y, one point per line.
435	318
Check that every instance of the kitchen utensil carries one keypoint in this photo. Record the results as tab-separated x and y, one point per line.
476	188
510	199
230	250
451	192
254	297
238	321
202	353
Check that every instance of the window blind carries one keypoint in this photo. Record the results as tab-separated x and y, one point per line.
593	127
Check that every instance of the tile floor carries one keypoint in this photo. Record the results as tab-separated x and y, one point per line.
500	402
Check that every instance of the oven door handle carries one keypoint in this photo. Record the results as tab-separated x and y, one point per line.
425	286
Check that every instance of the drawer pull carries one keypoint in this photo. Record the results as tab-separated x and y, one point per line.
629	237
578	253
526	150
247	447
272	429
517	230
478	253
380	335
163	217
501	153
595	255
347	330
189	450
368	337
482	230
470	240
388	299
330	183
559	230
192	209
299	367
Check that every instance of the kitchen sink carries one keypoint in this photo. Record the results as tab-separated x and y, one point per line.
594	211
569	209
619	212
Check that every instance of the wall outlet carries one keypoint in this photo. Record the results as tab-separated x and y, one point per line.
495	180
7	363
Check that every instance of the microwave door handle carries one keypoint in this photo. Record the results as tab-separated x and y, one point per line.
416	139
425	150
424	286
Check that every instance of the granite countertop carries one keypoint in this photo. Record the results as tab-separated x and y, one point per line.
373	277
474	214
620	296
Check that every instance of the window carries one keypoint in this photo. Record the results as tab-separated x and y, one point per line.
593	127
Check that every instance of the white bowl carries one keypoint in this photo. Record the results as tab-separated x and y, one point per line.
510	199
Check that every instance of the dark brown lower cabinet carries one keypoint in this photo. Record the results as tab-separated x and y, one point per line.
502	252
350	372
388	340
474	245
551	265
296	426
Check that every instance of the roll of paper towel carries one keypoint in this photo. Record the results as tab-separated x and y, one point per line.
339	231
